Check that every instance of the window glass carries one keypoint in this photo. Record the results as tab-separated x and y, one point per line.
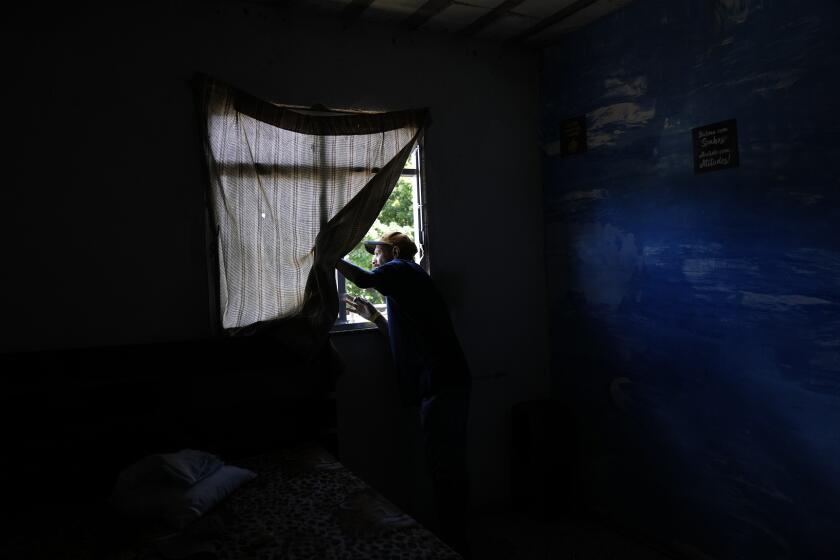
400	213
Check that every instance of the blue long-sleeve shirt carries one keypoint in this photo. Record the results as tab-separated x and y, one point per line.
426	352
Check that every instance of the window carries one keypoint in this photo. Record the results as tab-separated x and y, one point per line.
283	202
404	211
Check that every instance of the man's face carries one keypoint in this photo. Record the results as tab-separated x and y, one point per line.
381	255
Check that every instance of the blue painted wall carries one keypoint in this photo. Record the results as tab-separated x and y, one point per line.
696	318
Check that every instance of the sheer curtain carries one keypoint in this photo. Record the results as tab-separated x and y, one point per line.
291	192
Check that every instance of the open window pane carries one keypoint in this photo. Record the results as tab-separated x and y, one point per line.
400	213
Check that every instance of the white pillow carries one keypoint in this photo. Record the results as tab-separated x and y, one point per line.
176	505
196	500
184	468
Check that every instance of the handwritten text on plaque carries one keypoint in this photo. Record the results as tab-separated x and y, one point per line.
715	146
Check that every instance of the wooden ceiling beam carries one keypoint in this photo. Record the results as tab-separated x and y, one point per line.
354	9
489	17
553	19
426	12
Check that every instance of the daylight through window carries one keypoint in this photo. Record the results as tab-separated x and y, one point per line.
402	212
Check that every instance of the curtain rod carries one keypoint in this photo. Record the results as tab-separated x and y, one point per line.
319	108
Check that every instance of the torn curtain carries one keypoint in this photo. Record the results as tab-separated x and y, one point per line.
291	192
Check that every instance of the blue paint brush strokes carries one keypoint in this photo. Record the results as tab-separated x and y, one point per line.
696	318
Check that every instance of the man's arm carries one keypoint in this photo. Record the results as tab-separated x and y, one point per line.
382	324
359	276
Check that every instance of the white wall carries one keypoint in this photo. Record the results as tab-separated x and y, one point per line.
103	225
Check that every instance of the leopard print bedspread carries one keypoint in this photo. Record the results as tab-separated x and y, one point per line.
306	505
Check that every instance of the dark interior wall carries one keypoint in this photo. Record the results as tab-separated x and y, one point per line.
695	317
103	231
378	438
96	410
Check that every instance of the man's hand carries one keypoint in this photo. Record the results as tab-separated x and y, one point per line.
362	307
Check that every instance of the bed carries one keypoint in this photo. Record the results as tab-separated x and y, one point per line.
304	504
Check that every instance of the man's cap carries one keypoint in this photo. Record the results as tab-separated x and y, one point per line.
395	239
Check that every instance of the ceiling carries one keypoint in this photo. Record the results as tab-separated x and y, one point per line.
534	23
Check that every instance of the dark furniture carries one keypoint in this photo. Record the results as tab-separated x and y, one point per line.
71	419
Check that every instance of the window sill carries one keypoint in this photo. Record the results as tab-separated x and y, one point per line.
344	328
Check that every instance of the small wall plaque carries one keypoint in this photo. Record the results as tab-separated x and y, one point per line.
573	135
715	146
